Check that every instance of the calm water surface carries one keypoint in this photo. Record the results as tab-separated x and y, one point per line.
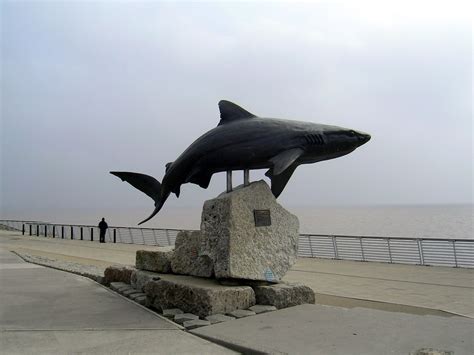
435	221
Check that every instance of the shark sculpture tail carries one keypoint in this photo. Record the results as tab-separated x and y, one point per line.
146	184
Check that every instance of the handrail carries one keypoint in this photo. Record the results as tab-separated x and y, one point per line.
383	237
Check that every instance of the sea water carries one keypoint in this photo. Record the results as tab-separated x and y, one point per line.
423	221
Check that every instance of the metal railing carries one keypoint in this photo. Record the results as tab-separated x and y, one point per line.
401	250
418	251
114	234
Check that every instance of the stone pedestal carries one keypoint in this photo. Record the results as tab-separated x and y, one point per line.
245	234
247	242
199	296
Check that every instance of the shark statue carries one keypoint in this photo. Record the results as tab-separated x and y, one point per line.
243	141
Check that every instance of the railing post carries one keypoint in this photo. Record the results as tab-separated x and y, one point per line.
30	230
92	234
454	251
154	236
168	236
23	229
389	250
420	251
310	246
143	236
115	235
82	234
45	230
334	245
362	249
72	232
37	230
62	232
54	231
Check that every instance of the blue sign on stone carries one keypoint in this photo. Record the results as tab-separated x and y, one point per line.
269	276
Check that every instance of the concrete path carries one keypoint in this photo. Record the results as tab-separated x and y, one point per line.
316	329
407	288
46	311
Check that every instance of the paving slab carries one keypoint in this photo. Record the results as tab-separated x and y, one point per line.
171	313
195	323
219	318
241	313
183	317
260	308
318	329
46	311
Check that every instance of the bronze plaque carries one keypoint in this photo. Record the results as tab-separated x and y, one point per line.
262	218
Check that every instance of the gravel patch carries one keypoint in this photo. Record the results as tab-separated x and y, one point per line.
93	272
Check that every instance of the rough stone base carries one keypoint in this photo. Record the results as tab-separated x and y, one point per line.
284	295
140	278
187	258
241	247
117	274
199	296
156	261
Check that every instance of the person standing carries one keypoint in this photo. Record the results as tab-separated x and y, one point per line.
103	228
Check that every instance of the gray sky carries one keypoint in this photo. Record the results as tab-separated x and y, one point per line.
89	87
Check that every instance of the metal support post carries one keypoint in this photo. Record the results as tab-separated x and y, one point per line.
229	180
92	234
30	230
334	245
37	230
168	237
115	235
82	234
62	232
23	229
310	246
45	230
420	251
454	252
389	249
246	177
72	232
54	231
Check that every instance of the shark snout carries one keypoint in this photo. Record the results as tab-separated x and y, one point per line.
363	137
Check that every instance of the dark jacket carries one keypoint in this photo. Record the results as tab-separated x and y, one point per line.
103	226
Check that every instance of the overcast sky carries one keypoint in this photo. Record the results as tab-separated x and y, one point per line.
89	87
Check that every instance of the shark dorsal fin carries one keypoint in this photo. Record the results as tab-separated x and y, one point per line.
232	112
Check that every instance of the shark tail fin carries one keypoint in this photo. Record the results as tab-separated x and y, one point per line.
146	184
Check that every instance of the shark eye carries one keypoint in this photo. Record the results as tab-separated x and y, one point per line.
352	133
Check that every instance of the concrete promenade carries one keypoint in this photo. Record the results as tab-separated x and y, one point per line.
393	287
46	311
362	308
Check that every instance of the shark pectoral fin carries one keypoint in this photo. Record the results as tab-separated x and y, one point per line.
200	178
177	190
279	181
231	112
283	160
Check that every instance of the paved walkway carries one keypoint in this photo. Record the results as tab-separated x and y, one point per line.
316	329
407	288
45	311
